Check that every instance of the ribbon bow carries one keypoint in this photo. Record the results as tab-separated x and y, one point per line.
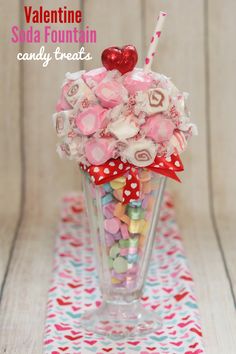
114	168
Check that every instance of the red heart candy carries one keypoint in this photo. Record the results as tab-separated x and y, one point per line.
123	59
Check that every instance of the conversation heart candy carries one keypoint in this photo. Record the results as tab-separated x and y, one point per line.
137	226
132	258
158	128
137	80
98	151
117	236
123	128
93	77
108	210
118	183
110	262
124	252
120	265
124	231
116	281
140	153
118	194
119	210
114	251
112	225
91	120
116	275
111	93
107	199
109	239
135	213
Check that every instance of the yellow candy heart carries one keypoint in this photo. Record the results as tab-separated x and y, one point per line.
115	281
118	183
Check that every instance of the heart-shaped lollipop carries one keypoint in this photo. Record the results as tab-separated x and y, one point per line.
122	59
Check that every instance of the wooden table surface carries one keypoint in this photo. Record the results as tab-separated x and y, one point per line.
198	51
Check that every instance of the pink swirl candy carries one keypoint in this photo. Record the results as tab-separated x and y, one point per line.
111	93
159	128
93	77
99	151
62	104
137	80
91	120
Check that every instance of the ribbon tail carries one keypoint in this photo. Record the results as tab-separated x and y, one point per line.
131	190
167	173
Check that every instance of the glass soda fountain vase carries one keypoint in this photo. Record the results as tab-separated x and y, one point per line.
123	236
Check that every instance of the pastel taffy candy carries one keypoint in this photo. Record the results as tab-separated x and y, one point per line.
124	128
62	103
123	109
91	120
63	122
158	128
93	77
141	152
153	101
111	93
98	151
178	142
137	80
78	93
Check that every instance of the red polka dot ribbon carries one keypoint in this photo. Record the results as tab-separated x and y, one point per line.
114	168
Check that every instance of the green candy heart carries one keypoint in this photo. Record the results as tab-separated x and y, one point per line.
120	265
114	251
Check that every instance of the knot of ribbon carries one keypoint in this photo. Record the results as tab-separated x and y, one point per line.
114	168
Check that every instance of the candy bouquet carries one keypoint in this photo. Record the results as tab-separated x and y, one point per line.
125	127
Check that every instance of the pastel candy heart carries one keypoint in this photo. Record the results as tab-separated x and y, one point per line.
112	225
120	265
124	231
114	251
108	210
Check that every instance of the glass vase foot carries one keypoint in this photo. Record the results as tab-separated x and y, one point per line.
118	321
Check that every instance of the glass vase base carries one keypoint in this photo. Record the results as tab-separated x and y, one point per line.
118	321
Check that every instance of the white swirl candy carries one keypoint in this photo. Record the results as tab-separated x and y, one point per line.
140	153
153	101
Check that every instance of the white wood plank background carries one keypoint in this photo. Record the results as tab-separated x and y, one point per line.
198	51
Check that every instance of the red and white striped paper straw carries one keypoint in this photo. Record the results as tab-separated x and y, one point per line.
154	41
